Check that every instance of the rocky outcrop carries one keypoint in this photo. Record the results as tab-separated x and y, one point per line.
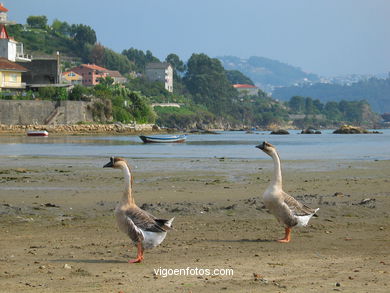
349	129
280	132
84	129
310	131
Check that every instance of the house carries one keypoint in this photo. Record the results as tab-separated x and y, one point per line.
11	75
160	72
116	76
91	74
246	89
3	13
9	48
71	78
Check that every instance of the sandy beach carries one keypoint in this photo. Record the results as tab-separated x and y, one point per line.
58	232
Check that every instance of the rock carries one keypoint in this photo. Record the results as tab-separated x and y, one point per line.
280	132
349	129
68	267
50	205
370	202
310	131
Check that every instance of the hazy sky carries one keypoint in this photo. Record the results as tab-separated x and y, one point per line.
327	37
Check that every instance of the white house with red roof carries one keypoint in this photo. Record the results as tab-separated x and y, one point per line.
246	89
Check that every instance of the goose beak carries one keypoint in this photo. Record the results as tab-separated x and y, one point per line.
108	165
261	146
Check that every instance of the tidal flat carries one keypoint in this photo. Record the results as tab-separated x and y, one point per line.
58	232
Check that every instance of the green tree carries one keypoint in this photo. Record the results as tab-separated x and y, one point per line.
84	34
139	58
177	64
140	109
37	21
206	80
77	93
236	77
60	27
297	104
116	61
96	55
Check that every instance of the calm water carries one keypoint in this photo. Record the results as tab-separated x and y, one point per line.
225	144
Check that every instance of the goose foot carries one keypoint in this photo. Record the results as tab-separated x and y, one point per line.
136	260
287	236
140	254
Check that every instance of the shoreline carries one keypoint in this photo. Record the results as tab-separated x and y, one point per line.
83	129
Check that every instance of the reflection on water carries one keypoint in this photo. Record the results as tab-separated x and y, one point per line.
226	144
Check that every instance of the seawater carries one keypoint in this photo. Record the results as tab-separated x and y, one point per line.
228	144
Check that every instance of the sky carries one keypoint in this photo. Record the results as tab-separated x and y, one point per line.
326	37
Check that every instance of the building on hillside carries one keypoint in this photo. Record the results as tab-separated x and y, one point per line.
246	89
9	48
44	71
92	73
11	75
160	72
117	76
71	78
3	14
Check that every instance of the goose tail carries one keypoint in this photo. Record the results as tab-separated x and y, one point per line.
304	220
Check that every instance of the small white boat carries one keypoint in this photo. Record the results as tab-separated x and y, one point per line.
37	133
164	138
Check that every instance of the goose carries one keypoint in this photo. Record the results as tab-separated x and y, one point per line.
283	206
145	230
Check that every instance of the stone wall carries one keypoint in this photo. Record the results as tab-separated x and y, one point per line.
81	129
15	112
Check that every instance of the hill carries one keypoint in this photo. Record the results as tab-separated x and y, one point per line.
267	73
203	85
375	91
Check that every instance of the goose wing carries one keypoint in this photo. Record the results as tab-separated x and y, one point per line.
145	221
297	208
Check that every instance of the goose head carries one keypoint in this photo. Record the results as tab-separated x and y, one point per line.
266	147
116	163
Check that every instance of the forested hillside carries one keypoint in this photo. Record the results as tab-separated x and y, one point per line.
202	86
374	90
267	73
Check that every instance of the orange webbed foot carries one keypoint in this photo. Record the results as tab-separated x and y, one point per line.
287	236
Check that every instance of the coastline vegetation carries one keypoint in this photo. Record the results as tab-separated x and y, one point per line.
202	87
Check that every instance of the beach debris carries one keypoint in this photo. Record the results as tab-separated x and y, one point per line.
231	207
367	202
50	205
68	267
260	278
338	194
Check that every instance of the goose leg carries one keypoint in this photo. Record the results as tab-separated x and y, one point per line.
140	254
287	236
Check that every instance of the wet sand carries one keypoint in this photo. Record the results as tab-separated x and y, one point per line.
58	232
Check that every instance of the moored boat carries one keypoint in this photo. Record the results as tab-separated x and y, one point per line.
164	138
37	133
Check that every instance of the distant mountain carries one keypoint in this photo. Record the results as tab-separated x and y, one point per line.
267	73
375	91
